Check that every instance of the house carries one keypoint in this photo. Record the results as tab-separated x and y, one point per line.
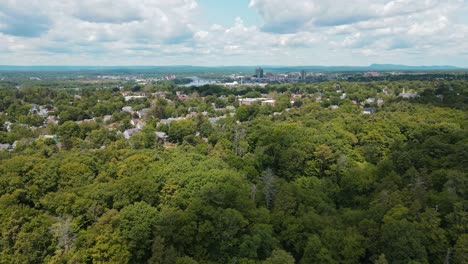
380	102
270	102
130	132
131	97
334	107
232	84
144	112
182	96
43	111
160	94
137	123
248	101
106	118
170	120
213	120
7	125
369	110
192	114
5	146
162	136
51	120
408	95
53	137
33	109
372	74
127	109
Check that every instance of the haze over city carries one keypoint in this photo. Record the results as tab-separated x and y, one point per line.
212	33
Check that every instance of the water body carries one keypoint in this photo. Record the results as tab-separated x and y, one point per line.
196	81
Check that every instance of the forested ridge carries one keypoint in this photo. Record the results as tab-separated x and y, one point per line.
296	182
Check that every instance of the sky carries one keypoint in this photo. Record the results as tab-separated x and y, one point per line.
233	32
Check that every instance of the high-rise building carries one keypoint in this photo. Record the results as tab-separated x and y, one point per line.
303	75
259	73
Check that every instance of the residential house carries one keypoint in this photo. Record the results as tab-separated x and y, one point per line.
51	120
5	146
130	132
369	110
131	97
7	125
408	95
162	136
144	112
137	123
270	102
107	118
380	102
127	109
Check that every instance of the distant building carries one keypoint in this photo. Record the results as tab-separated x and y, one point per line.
131	97
259	73
270	102
303	75
372	74
408	95
248	101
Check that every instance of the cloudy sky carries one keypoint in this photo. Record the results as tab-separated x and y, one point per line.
233	32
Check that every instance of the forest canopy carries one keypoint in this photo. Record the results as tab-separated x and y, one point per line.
316	180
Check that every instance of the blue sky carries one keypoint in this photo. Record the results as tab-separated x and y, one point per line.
225	12
228	32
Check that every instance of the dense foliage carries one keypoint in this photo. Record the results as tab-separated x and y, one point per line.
306	184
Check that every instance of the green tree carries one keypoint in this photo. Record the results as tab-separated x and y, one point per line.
136	226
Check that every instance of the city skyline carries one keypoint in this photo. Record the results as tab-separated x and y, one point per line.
245	32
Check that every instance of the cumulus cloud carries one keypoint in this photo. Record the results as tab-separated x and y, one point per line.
370	27
105	20
282	16
176	32
23	18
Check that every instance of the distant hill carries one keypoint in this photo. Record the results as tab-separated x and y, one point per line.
387	67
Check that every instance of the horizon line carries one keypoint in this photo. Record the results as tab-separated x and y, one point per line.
239	65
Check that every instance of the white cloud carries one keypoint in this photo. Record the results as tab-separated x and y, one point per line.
105	20
293	32
293	16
